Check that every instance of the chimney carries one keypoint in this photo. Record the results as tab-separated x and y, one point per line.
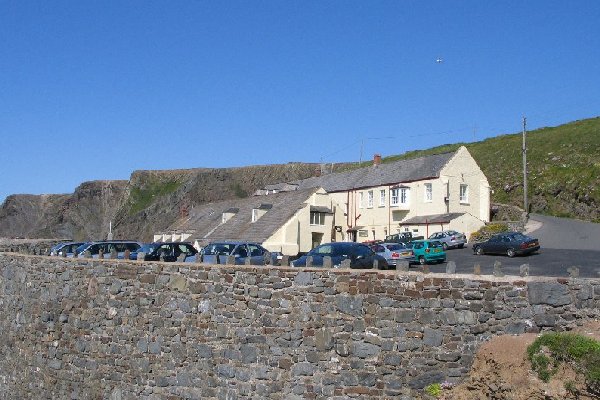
376	159
317	171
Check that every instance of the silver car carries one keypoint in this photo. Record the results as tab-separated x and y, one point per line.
393	252
449	239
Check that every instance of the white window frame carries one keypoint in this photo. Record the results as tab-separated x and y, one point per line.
464	193
382	198
404	196
428	193
394	196
254	215
361	200
370	199
317	218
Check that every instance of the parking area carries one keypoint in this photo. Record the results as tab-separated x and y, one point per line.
547	262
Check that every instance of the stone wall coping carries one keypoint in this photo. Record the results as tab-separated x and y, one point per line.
175	267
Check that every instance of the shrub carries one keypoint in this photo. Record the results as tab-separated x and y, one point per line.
488	231
435	389
549	350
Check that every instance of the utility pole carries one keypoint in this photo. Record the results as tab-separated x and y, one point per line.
525	201
361	151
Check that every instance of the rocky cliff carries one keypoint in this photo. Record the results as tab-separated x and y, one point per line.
150	201
85	214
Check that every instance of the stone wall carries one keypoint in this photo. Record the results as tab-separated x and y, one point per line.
29	246
91	329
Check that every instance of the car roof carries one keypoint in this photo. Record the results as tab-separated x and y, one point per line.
168	243
232	242
112	241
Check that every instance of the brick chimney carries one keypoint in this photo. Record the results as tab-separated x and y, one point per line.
317	171
376	159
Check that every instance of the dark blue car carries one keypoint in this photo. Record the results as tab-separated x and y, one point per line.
360	256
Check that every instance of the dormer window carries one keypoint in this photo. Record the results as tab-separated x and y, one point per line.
228	214
260	211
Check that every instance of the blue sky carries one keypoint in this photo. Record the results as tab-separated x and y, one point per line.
97	89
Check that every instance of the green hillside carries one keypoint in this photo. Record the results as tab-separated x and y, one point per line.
563	164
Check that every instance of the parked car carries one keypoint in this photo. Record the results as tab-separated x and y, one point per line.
64	249
169	251
107	247
217	253
402	237
509	243
360	255
393	252
449	239
428	251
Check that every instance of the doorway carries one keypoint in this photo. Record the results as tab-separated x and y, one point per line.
317	238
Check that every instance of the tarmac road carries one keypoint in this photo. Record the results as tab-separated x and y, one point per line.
564	243
564	233
546	262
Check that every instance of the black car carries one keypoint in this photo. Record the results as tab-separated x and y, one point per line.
509	243
167	251
360	255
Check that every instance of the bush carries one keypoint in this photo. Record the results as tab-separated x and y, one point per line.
549	350
488	231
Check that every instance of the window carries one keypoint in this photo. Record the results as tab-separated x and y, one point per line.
370	199
428	192
404	195
361	200
382	198
317	218
255	215
464	193
394	197
363	233
255	250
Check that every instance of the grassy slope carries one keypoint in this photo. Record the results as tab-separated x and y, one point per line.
563	164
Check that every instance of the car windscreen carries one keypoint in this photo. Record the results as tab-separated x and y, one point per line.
81	248
57	246
394	247
218	248
148	248
377	248
517	237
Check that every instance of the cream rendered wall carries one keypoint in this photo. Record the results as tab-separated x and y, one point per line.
296	234
384	220
463	169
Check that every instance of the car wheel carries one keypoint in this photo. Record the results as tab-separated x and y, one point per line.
478	251
510	252
422	260
445	246
460	246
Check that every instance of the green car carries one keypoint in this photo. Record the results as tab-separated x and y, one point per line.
427	251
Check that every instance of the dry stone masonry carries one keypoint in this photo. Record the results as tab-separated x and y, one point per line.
114	329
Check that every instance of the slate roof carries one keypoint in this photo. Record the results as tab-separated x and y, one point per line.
384	174
431	219
205	221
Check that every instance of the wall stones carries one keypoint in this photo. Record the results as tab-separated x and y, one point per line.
118	329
